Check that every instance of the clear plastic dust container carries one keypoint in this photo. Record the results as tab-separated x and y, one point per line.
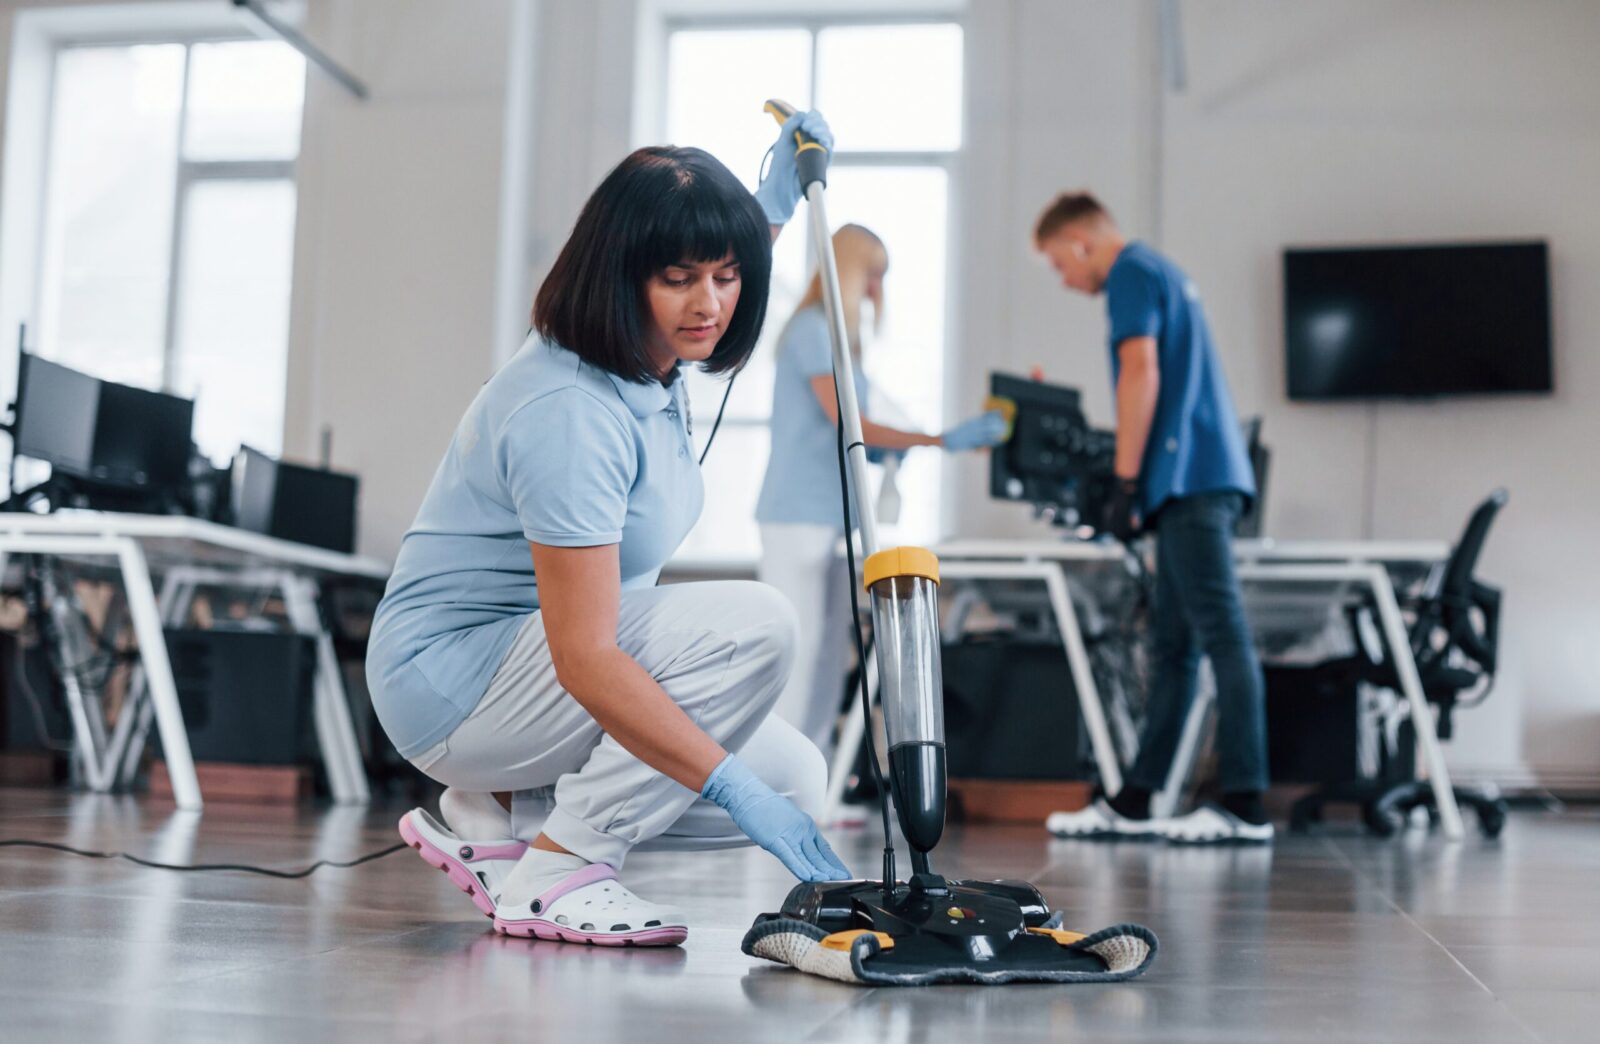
903	583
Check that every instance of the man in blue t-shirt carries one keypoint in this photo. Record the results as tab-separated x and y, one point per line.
1183	472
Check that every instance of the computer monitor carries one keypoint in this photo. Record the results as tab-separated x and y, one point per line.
100	433
55	414
1249	524
141	438
1054	460
293	502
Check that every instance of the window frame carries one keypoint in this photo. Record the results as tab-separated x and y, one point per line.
188	172
951	161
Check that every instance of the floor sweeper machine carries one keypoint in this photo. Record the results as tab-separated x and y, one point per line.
927	928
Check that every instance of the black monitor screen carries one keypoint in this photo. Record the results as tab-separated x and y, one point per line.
1417	320
316	507
1053	458
142	437
294	502
255	487
56	409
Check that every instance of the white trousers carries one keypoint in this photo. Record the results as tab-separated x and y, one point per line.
721	650
798	559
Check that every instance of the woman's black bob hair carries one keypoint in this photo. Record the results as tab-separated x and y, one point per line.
661	206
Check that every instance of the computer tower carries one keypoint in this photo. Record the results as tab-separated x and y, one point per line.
294	502
33	715
1313	722
1011	712
246	694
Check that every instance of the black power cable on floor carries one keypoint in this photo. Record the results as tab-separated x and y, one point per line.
288	875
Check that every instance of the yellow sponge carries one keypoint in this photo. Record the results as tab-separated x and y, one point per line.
1007	408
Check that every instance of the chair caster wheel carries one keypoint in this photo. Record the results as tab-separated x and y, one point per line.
1491	820
1303	815
1380	822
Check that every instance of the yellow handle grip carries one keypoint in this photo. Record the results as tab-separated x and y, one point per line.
812	167
780	110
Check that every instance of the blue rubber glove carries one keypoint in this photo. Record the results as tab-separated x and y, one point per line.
773	822
780	192
986	429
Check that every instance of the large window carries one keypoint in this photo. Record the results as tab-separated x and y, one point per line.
892	93
169	202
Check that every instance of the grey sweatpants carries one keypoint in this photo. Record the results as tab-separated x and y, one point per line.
721	650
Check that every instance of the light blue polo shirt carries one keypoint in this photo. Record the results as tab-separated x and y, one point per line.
802	480
1195	443
552	450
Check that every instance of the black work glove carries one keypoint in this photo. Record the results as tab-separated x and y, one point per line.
1121	517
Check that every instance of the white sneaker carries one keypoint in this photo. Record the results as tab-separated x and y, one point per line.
478	868
591	906
1212	825
1099	820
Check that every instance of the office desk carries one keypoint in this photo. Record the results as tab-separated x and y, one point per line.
187	553
1330	568
1366	569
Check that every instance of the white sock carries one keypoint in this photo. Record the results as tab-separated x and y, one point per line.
474	816
536	873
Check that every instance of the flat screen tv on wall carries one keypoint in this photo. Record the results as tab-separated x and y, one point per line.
1417	320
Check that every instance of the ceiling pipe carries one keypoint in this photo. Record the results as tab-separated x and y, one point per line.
270	26
1173	62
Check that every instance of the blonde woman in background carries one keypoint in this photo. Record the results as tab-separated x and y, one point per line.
800	511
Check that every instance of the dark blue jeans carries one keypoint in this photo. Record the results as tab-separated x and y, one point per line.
1198	612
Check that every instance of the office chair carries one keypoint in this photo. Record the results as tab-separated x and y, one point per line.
1455	640
1249	524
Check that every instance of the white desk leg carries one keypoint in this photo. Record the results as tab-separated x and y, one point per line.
336	733
1123	728
158	673
90	748
1183	759
1394	633
1094	716
127	745
851	733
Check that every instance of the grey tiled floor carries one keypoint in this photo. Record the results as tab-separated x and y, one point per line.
1333	937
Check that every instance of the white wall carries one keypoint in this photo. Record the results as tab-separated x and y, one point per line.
1353	121
392	321
583	76
1323	123
1409	122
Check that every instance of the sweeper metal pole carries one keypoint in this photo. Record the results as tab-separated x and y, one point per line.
903	582
812	161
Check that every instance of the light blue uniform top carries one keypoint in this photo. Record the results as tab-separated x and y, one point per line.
554	451
1195	443
802	481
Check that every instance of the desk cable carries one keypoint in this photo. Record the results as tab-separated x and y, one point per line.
243	868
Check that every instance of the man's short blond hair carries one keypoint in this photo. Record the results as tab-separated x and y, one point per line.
1069	208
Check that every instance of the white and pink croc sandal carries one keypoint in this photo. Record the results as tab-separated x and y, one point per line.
591	906
478	868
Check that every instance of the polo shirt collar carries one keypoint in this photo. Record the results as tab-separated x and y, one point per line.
643	399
